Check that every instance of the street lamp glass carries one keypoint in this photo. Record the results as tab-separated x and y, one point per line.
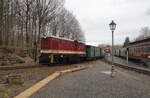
112	25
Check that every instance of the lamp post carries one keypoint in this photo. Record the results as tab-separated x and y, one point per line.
112	26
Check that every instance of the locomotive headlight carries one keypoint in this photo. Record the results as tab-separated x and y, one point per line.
61	56
148	57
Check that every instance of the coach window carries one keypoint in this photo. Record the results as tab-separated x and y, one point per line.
141	49
144	49
131	50
138	49
148	49
135	50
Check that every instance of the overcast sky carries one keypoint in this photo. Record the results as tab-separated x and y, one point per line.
95	16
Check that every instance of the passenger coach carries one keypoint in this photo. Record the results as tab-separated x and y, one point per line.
138	50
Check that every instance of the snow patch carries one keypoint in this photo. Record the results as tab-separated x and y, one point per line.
106	72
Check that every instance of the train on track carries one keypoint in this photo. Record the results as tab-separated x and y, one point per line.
60	50
137	50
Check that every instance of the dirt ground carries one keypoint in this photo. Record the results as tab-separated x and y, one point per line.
10	57
30	77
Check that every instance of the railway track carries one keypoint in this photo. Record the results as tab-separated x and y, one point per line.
20	67
30	66
136	69
37	65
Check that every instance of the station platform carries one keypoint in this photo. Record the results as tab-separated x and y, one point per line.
123	61
96	82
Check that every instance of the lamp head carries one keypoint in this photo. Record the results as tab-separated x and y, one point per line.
112	25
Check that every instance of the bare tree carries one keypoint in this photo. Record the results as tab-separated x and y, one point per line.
1	21
46	12
145	33
66	25
22	22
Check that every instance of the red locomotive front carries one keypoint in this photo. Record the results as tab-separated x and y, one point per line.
58	50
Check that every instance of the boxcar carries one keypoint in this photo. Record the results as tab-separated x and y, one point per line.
90	51
97	52
123	52
118	52
93	52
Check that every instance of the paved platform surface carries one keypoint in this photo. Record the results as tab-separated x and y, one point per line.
96	82
130	62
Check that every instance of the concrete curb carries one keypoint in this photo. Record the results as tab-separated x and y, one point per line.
30	91
73	69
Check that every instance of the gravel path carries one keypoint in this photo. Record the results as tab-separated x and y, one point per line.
96	82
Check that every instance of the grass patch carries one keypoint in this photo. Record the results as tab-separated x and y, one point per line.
4	91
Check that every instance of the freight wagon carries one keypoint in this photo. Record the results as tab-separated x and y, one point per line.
93	52
117	52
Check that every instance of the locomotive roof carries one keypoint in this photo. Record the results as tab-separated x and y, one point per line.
140	41
92	46
51	36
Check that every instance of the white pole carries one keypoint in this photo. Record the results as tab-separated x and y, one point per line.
112	49
127	56
112	67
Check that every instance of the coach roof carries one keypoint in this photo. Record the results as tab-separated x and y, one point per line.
141	41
